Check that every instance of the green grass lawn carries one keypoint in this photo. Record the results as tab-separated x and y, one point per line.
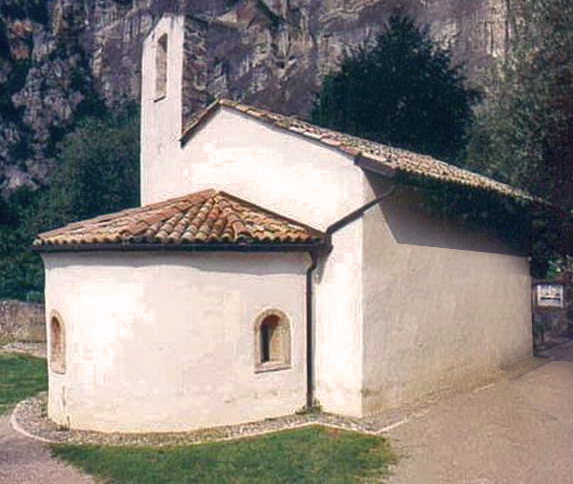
308	455
21	376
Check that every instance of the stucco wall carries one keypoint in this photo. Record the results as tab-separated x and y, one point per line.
160	342
442	304
338	324
278	170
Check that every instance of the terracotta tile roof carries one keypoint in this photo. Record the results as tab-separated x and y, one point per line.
367	154
206	218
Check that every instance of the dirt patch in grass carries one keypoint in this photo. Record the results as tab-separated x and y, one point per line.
309	455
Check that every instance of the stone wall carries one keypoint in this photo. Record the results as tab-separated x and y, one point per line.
20	321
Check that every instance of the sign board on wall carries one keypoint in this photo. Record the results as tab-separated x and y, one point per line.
550	295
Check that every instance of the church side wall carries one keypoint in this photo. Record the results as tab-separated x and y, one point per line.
166	342
443	305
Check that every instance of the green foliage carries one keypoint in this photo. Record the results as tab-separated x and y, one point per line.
312	455
21	376
20	269
401	91
523	132
96	171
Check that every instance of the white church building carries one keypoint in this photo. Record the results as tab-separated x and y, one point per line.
272	265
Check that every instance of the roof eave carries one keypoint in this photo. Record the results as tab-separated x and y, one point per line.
192	247
374	166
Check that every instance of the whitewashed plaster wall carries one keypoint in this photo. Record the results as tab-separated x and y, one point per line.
339	324
165	342
278	170
443	304
358	319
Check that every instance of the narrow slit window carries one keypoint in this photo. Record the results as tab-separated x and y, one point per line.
161	68
270	340
57	345
265	350
272	335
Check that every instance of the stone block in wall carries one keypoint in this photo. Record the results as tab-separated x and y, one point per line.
21	321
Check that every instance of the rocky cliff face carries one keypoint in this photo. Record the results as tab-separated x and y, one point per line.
55	55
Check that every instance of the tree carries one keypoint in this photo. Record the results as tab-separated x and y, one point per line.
20	270
524	131
401	91
96	171
524	128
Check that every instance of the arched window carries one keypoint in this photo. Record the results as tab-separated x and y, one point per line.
272	341
57	344
161	68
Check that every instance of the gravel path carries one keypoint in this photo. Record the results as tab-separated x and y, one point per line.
29	417
515	432
25	461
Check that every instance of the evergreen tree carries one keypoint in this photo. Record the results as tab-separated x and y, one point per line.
401	91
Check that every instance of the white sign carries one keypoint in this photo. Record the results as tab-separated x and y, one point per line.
550	295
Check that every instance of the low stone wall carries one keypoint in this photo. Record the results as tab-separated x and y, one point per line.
20	321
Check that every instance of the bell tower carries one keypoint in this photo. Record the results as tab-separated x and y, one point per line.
161	86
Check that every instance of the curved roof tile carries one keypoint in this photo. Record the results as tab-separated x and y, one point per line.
206	217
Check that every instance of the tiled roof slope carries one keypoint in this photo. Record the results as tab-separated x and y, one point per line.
367	154
209	217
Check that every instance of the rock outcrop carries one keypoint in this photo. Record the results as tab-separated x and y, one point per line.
58	56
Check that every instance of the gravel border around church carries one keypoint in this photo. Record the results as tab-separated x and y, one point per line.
30	418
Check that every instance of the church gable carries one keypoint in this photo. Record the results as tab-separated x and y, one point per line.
232	151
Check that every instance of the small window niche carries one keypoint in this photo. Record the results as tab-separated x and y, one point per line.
57	344
272	341
161	68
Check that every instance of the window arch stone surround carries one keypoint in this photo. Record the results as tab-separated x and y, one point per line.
272	341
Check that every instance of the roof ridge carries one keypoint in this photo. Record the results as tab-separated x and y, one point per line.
403	161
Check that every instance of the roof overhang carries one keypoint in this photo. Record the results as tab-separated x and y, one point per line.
207	247
374	166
